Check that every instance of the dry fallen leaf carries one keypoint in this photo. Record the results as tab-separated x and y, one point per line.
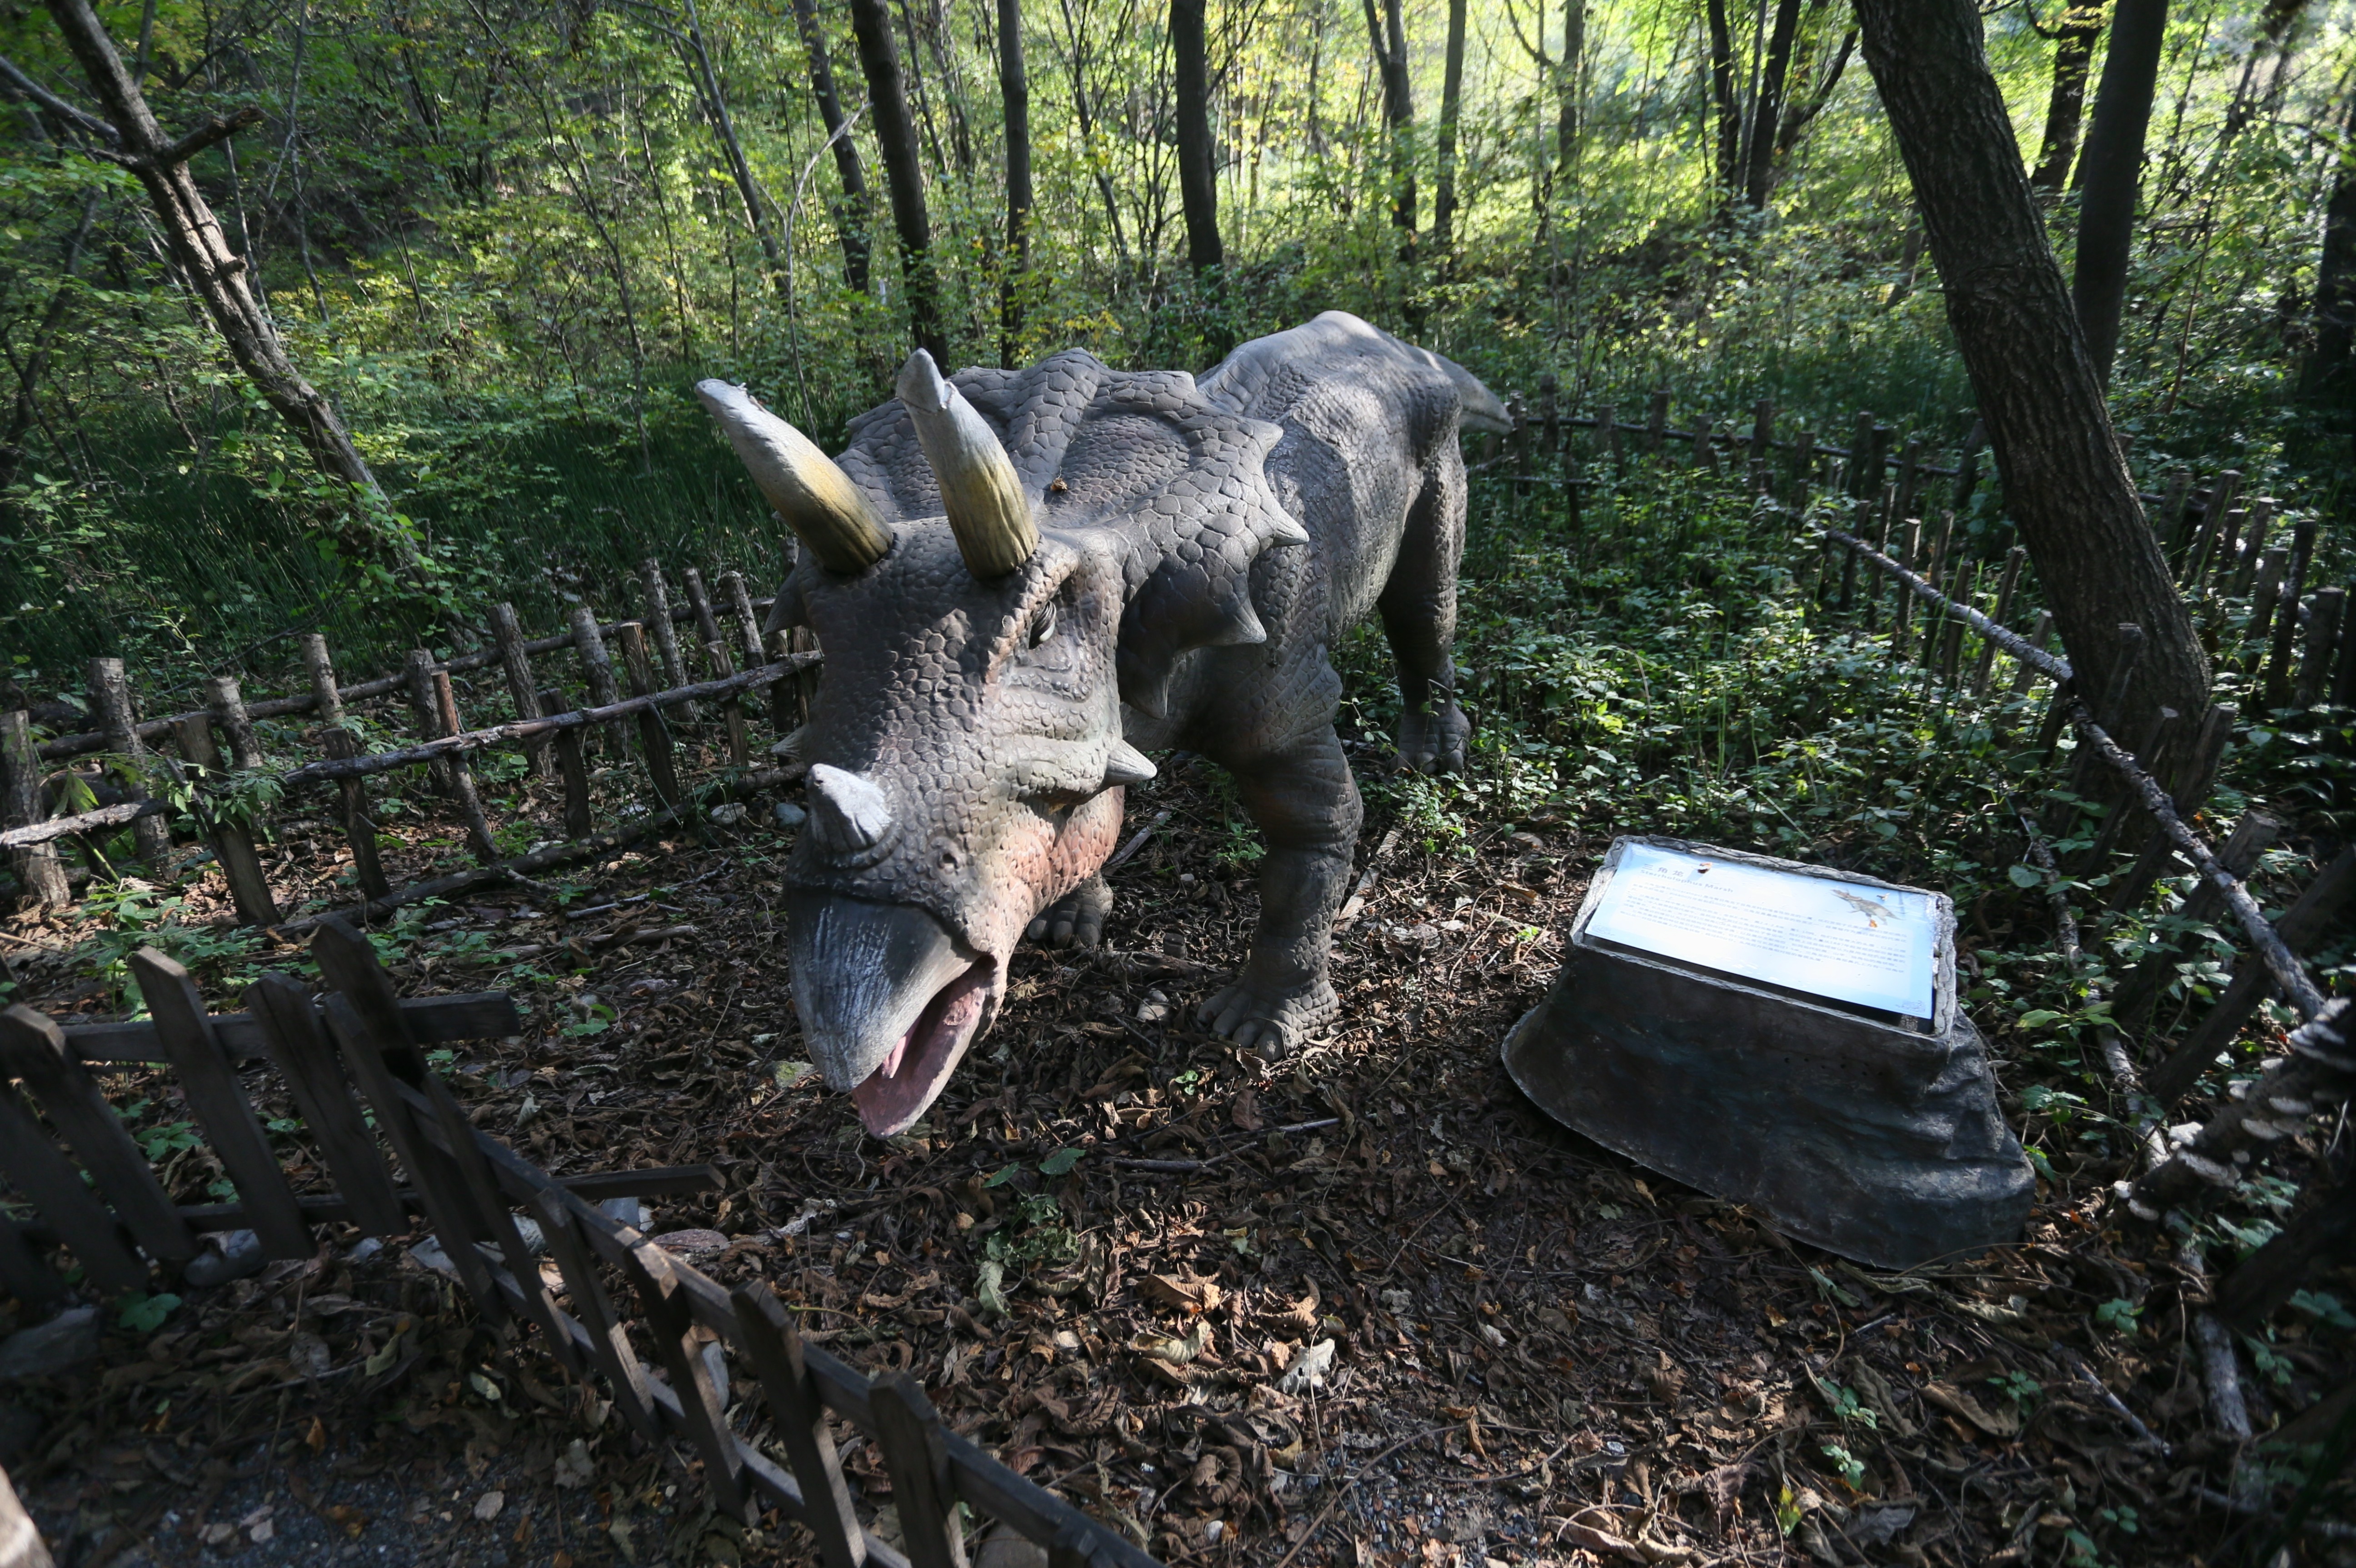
1996	1423
1307	1368
1190	1297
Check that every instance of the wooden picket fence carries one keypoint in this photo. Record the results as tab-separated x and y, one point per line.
469	1186
215	760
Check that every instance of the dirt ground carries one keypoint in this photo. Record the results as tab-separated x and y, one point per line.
1539	1353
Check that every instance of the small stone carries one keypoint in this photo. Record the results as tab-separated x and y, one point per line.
788	815
364	1249
1154	1009
625	1211
488	1506
692	1242
228	1255
47	1349
728	813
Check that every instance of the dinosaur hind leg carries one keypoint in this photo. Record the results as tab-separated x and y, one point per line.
1419	610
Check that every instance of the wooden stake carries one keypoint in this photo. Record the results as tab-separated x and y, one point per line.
515	664
210	1085
38	870
462	775
240	861
732	709
598	667
908	1431
799	1417
1656	422
2278	662
2005	586
110	698
659	620
360	829
34	1049
740	610
425	714
572	768
654	736
297	1043
2323	616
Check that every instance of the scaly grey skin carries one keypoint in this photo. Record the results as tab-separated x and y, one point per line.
1199	547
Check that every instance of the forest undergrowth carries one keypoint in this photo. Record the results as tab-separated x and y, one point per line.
1540	1352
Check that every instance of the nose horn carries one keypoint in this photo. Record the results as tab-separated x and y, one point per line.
848	811
980	489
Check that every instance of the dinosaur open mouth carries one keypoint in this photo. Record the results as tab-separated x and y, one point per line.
920	1062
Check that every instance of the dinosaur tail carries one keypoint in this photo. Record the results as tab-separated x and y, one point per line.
1482	411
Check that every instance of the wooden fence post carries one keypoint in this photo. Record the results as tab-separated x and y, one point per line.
670	1323
462	776
1899	616
707	625
1656	422
908	1431
654	736
110	694
296	1041
609	1342
598	665
2002	616
209	1084
426	713
2323	616
515	664
2024	673
34	1049
48	1180
1951	649
657	597
1862	486
360	829
379	1052
38	869
1762	430
240	861
788	709
2278	662
1910	466
1549	414
2262	519
748	625
801	1422
572	767
1607	423
732	709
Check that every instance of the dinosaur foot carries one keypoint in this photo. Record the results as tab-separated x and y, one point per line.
1076	920
1433	741
1271	1020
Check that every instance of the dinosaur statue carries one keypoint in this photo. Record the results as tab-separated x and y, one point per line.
1025	580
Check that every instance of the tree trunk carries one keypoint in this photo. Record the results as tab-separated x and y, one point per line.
2330	367
1759	177
1386	30
1802	113
2274	23
1077	54
1015	88
215	274
1725	112
2064	480
36	363
851	210
1198	186
1574	57
2111	172
1451	95
740	168
895	136
2074	55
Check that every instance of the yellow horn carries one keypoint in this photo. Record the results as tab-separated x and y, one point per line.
814	496
980	489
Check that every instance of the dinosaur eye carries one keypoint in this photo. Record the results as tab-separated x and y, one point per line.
1043	625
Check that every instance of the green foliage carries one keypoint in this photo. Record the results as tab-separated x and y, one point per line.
504	242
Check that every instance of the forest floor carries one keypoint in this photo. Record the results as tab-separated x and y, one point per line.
1540	1352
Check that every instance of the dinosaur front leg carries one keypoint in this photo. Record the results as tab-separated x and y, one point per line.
1306	805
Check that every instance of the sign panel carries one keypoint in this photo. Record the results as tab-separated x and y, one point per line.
1869	947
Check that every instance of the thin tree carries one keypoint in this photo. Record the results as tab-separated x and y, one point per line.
1726	110
2275	23
1015	89
1387	33
1570	98
2064	480
1759	162
1451	95
850	208
201	252
895	137
1198	187
2330	366
2111	174
2075	37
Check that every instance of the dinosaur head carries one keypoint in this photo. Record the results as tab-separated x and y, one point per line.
982	621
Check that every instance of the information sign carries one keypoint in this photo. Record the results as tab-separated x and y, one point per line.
1867	946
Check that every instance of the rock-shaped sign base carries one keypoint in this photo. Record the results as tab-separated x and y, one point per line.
1780	1035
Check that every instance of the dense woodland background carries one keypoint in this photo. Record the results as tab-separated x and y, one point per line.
505	240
